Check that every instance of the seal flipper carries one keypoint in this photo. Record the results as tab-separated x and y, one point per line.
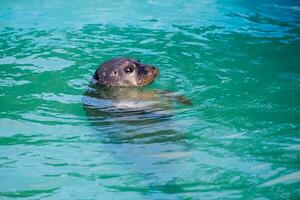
183	100
177	98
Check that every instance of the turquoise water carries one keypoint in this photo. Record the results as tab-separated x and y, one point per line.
237	61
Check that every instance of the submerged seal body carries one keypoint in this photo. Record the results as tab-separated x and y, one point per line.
125	72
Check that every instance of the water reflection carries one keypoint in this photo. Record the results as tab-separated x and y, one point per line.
131	115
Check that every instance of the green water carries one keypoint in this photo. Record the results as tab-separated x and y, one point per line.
237	61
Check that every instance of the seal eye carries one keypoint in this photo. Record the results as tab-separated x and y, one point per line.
129	69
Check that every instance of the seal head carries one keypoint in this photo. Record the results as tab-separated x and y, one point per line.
126	72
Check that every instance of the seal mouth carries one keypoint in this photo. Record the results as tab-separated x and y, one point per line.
148	78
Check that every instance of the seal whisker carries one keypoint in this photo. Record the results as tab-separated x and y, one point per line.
142	81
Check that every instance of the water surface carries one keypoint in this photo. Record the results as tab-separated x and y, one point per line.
238	61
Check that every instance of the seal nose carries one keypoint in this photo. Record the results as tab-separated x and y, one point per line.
155	70
150	70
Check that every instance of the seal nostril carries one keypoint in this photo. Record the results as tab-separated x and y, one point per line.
155	70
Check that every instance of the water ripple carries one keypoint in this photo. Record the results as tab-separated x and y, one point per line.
237	62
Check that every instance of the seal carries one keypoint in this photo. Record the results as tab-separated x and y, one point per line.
125	72
121	78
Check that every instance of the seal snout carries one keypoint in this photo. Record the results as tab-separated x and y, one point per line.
148	75
150	70
155	71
